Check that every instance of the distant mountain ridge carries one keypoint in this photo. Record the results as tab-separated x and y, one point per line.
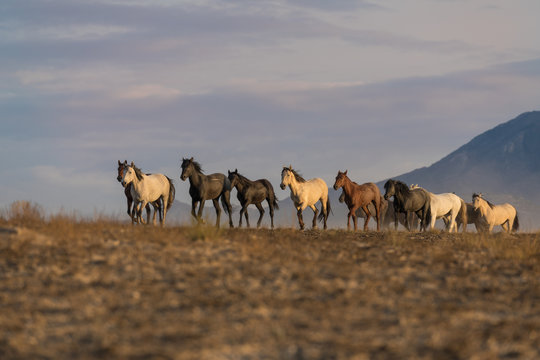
503	163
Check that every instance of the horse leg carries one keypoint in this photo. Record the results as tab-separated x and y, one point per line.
271	207
156	209
315	213
226	200
244	209
200	212
133	213
300	219
241	215
129	208
377	213
407	226
193	207
142	205
164	204
218	211
349	215
261	213
433	220
368	216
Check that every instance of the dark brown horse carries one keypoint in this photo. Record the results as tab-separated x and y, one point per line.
253	192
127	191
359	196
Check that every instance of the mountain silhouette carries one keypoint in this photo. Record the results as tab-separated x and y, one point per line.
503	163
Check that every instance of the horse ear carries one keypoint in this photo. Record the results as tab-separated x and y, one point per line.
229	171
345	173
119	163
290	167
191	159
131	164
236	171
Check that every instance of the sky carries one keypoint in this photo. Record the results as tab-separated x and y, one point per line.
378	88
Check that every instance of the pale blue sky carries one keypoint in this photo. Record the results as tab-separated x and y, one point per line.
375	87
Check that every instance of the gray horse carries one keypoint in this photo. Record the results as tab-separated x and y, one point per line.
206	187
407	200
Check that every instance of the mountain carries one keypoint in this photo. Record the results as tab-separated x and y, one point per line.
503	163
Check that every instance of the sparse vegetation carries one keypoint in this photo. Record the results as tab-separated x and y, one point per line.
75	288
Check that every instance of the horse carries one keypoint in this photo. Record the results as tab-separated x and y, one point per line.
206	187
386	214
306	193
442	205
470	216
149	189
127	192
407	200
253	192
492	215
359	196
459	216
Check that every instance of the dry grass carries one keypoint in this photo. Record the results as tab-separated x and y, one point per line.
72	288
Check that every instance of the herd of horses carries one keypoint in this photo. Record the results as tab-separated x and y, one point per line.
412	206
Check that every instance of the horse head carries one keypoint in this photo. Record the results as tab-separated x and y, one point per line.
390	189
286	175
187	168
121	168
233	177
129	175
476	200
340	179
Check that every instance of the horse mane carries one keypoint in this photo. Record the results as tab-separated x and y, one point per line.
138	173
296	174
401	186
491	205
196	165
242	179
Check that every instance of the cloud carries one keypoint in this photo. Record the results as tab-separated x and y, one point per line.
148	91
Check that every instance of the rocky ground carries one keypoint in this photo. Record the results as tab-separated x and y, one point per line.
107	290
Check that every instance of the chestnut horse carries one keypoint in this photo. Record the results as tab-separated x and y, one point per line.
359	196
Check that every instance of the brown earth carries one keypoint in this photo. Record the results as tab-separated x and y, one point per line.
72	289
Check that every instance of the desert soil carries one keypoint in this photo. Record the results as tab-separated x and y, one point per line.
116	291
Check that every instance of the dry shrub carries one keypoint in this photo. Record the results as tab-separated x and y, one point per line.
24	213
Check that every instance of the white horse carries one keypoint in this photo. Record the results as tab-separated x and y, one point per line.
306	193
149	189
503	214
447	205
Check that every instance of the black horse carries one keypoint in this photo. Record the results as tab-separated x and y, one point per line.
206	187
407	200
253	192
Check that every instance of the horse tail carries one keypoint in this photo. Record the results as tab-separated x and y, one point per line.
224	203
225	195
427	211
172	193
324	214
515	227
463	215
271	193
